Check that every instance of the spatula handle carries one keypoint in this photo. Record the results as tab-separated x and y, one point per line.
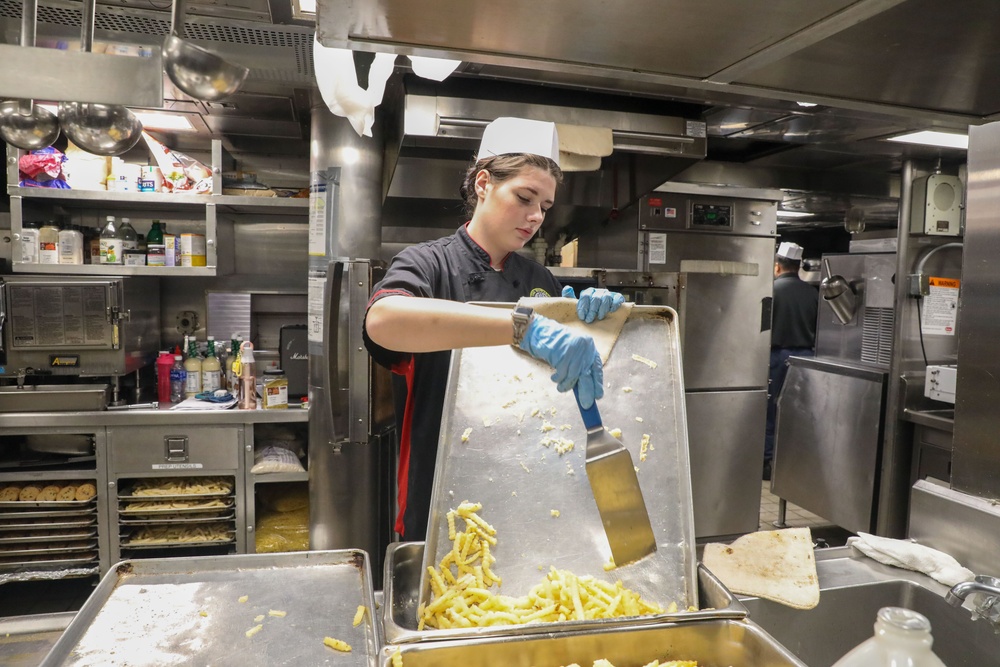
591	416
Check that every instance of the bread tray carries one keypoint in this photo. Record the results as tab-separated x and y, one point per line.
30	539
40	514
43	525
46	504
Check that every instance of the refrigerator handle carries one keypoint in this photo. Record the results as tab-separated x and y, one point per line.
3	313
336	406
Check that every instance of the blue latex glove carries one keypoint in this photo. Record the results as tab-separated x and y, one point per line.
595	303
573	356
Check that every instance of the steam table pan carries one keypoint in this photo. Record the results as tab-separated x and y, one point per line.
186	611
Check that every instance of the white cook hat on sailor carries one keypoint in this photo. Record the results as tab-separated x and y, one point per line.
792	251
519	135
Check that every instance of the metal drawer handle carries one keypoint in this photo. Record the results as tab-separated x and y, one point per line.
176	447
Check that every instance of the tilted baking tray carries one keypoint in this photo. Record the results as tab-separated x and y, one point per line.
500	405
187	611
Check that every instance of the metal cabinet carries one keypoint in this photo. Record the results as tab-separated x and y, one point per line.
176	456
255	482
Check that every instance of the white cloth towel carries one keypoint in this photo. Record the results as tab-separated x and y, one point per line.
912	556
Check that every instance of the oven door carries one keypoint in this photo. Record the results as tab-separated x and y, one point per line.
50	321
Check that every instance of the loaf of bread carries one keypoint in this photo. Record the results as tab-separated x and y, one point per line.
49	492
29	492
9	493
66	493
86	491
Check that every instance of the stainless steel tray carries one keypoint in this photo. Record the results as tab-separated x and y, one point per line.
185	519
30	539
149	612
8	565
713	643
53	513
179	510
178	496
44	525
402	580
172	545
47	504
493	391
42	550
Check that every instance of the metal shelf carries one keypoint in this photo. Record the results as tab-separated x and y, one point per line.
113	270
280	477
159	201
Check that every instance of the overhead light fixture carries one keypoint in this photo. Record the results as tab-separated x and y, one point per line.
934	138
793	214
806	104
164	121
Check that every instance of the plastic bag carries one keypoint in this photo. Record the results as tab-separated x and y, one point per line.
276	458
42	166
283	531
181	173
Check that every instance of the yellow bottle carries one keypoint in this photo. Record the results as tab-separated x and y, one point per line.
193	367
211	369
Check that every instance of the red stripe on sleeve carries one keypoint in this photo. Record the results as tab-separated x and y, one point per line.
404	368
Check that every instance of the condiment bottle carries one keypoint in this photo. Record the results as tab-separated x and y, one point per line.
248	380
111	243
70	246
29	243
902	638
48	243
130	240
193	367
211	369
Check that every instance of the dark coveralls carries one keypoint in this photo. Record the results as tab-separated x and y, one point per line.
455	268
793	334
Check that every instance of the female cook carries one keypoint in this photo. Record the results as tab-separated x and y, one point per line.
507	192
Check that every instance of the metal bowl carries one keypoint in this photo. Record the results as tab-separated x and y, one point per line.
27	126
100	129
200	73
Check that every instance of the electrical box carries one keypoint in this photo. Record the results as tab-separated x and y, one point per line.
936	207
940	381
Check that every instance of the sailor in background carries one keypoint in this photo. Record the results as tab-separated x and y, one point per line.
793	331
420	312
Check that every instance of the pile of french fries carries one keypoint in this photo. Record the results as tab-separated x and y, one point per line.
462	596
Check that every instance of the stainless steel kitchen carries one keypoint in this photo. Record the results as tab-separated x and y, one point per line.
280	303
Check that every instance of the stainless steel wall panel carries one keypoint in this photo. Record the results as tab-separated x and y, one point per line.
828	440
976	456
726	445
966	527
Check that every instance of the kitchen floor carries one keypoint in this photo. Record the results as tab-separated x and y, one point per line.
796	517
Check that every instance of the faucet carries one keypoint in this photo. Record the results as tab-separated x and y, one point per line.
986	592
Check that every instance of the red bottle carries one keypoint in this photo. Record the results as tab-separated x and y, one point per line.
163	364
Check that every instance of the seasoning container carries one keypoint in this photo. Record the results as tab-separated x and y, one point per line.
275	389
134	257
193	250
155	254
170	257
70	246
48	243
29	243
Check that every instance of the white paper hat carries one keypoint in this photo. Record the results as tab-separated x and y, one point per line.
520	135
792	251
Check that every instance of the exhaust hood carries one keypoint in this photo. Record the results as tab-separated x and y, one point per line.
432	136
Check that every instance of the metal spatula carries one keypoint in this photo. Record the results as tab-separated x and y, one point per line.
616	490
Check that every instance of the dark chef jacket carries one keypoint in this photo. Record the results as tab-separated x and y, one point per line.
455	268
794	319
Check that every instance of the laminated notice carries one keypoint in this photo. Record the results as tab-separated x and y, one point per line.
939	310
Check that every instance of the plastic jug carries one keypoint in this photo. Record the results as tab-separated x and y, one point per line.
163	365
902	639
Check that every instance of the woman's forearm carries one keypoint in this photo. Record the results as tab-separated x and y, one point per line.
412	324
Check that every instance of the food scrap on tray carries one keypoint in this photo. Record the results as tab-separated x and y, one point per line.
461	595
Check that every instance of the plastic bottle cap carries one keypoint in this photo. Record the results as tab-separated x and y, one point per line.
178	357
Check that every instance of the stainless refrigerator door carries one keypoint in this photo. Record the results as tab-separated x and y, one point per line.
726	444
828	440
344	486
725	312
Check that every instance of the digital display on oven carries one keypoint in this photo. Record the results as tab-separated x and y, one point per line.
714	216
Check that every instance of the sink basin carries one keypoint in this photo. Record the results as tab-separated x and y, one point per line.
852	590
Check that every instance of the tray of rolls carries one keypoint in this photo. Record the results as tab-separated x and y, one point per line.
46	495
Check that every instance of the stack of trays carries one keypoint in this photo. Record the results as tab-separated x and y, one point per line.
177	512
49	534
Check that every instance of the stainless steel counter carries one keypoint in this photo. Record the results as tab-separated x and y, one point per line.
161	416
942	420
